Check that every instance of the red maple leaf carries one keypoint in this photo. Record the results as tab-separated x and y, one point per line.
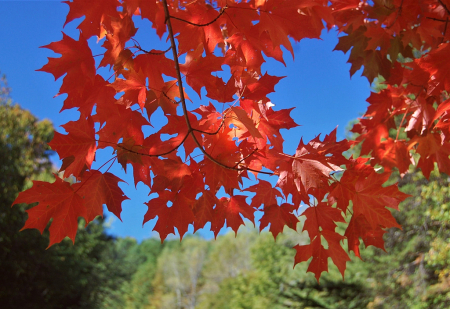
198	69
265	194
98	189
78	147
321	217
359	227
58	201
179	215
190	35
278	217
94	13
76	61
437	65
320	255
231	209
204	209
432	149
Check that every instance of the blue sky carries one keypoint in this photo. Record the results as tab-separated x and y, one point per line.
318	84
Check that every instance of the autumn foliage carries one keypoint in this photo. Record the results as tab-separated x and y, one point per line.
237	135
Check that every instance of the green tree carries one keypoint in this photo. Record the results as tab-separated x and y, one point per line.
179	275
64	276
141	287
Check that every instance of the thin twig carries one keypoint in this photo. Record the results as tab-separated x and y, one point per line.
248	156
222	10
145	154
151	53
399	12
444	6
82	183
437	19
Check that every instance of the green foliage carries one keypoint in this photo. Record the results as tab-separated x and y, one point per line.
65	276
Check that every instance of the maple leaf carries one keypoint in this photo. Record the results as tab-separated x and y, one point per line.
263	86
134	87
437	65
191	36
431	149
178	215
359	227
165	98
278	217
243	53
392	153
121	122
320	255
370	198
375	64
198	69
141	173
78	146
58	201
98	189
94	13
94	93
270	125
357	42
245	120
281	19
119	32
231	209
129	152
154	65
216	175
204	209
76	61
321	217
311	166
154	12
219	91
265	194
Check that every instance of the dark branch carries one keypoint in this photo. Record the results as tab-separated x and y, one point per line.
152	53
444	6
437	19
243	159
222	10
146	154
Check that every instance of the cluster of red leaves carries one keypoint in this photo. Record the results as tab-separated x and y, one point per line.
405	41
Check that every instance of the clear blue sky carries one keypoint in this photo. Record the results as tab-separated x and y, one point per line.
317	84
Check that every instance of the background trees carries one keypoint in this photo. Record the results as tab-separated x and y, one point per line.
33	277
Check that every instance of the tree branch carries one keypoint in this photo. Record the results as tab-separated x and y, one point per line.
444	6
222	10
146	154
191	131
